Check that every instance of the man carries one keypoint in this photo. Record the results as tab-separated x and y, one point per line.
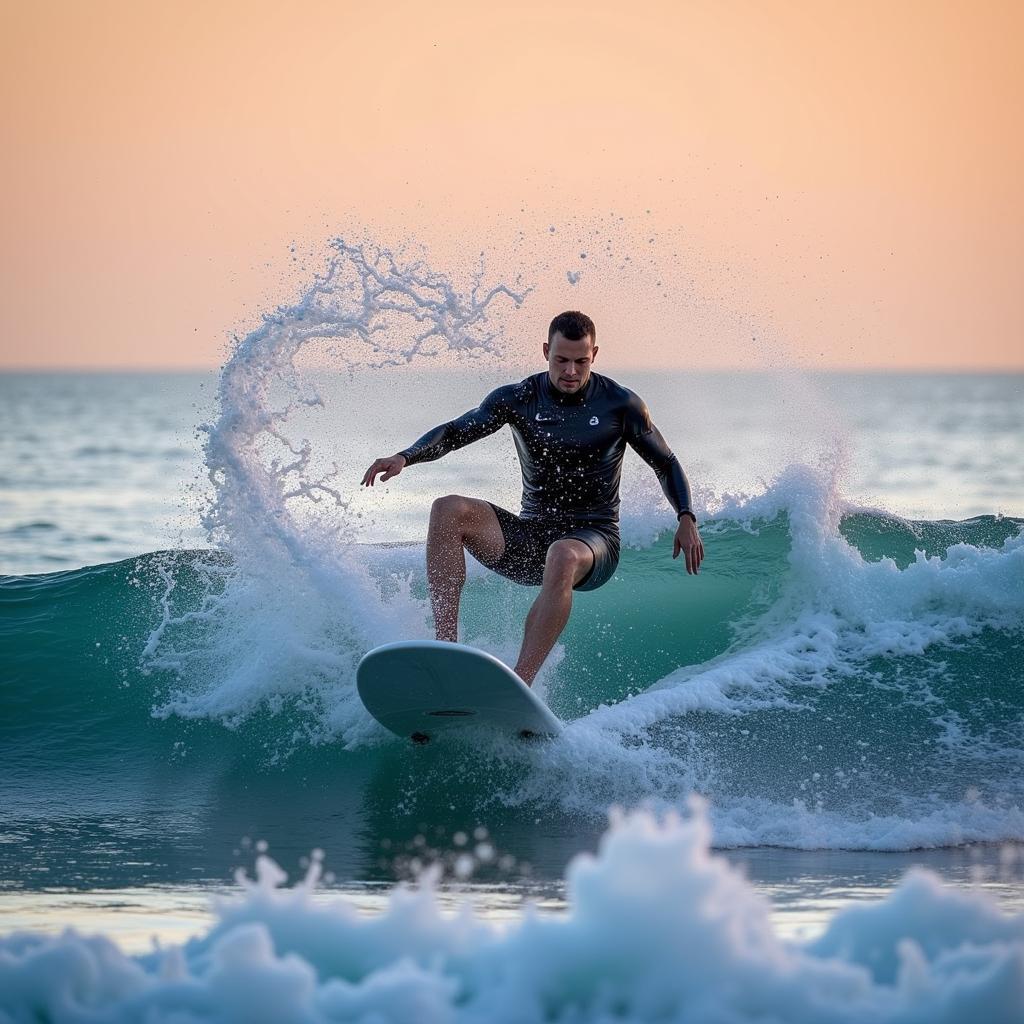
570	428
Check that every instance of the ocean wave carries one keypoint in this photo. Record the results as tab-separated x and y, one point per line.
816	697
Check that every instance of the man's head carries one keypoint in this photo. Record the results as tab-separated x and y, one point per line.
570	351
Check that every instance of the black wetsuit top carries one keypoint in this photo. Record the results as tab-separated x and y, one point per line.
570	446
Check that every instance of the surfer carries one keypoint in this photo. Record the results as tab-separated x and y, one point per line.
570	427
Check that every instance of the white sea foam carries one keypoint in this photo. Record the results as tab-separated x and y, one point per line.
835	611
656	929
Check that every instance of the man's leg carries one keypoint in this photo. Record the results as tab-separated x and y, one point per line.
568	561
457	523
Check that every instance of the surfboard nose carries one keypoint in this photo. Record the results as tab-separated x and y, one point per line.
455	686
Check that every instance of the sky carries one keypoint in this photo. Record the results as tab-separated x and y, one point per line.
815	184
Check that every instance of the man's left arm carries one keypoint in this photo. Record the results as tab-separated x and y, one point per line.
647	441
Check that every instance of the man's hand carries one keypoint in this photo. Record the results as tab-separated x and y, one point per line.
688	541
390	467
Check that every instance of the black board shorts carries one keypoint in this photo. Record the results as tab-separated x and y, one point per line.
527	542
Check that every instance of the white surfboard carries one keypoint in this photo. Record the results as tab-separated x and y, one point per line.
421	688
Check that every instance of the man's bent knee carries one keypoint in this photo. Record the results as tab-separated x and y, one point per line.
473	521
451	508
567	561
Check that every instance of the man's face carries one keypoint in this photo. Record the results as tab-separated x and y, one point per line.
569	362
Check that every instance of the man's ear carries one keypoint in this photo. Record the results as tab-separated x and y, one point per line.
593	355
547	349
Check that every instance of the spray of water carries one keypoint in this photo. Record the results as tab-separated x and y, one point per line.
295	590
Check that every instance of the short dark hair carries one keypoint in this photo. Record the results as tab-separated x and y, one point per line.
574	326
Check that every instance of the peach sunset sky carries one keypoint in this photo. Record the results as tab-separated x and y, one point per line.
840	182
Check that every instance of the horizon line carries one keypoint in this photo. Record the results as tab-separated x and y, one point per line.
786	368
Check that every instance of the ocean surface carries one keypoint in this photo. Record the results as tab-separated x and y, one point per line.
790	788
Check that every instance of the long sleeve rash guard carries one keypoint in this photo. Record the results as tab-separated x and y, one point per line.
570	446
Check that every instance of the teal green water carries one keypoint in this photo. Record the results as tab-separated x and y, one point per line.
112	776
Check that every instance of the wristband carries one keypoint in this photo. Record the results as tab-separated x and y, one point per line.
687	512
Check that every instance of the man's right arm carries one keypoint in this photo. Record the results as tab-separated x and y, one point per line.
489	416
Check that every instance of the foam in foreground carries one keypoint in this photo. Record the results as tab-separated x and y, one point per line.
657	929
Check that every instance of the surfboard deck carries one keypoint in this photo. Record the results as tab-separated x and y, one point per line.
422	688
